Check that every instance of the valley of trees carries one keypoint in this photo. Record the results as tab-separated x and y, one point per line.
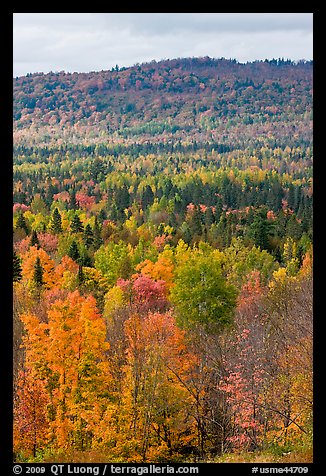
162	264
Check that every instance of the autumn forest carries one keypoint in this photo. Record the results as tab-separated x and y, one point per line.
162	263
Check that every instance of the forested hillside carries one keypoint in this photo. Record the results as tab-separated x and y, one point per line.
221	101
163	262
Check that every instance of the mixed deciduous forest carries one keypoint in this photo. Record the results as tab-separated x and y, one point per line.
162	263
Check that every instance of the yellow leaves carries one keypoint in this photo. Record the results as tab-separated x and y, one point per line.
131	224
219	256
280	281
286	278
88	309
290	256
114	299
150	415
94	279
289	249
182	252
158	453
279	276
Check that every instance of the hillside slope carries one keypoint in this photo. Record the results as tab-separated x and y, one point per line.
191	99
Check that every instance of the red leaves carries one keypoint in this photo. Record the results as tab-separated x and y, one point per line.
145	294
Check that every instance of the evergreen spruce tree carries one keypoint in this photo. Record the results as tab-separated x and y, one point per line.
76	225
195	223
55	223
173	221
21	223
261	229
97	234
228	230
147	197
307	216
291	196
293	228
73	251
218	209
297	198
72	200
80	275
114	213
96	169
186	233
34	241
88	236
17	269
122	198
209	217
221	228
102	215
38	273
85	259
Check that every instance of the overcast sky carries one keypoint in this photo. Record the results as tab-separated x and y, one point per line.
98	41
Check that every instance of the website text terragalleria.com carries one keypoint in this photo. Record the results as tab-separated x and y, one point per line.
56	469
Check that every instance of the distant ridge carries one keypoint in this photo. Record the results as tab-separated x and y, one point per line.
182	97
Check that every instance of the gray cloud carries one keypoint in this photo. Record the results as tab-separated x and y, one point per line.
208	22
96	41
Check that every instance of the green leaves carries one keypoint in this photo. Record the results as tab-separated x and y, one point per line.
109	260
201	293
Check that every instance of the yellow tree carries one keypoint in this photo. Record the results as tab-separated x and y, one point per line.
289	319
151	420
68	355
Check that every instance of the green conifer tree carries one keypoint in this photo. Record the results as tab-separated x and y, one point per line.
72	200
38	273
17	269
76	225
21	223
80	275
88	236
209	217
195	224
73	251
97	234
56	222
34	241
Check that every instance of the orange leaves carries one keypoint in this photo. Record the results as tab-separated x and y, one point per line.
151	418
159	332
66	357
75	330
66	264
33	340
162	269
30	408
28	263
307	264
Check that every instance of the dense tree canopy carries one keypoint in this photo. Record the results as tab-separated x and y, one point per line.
162	266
